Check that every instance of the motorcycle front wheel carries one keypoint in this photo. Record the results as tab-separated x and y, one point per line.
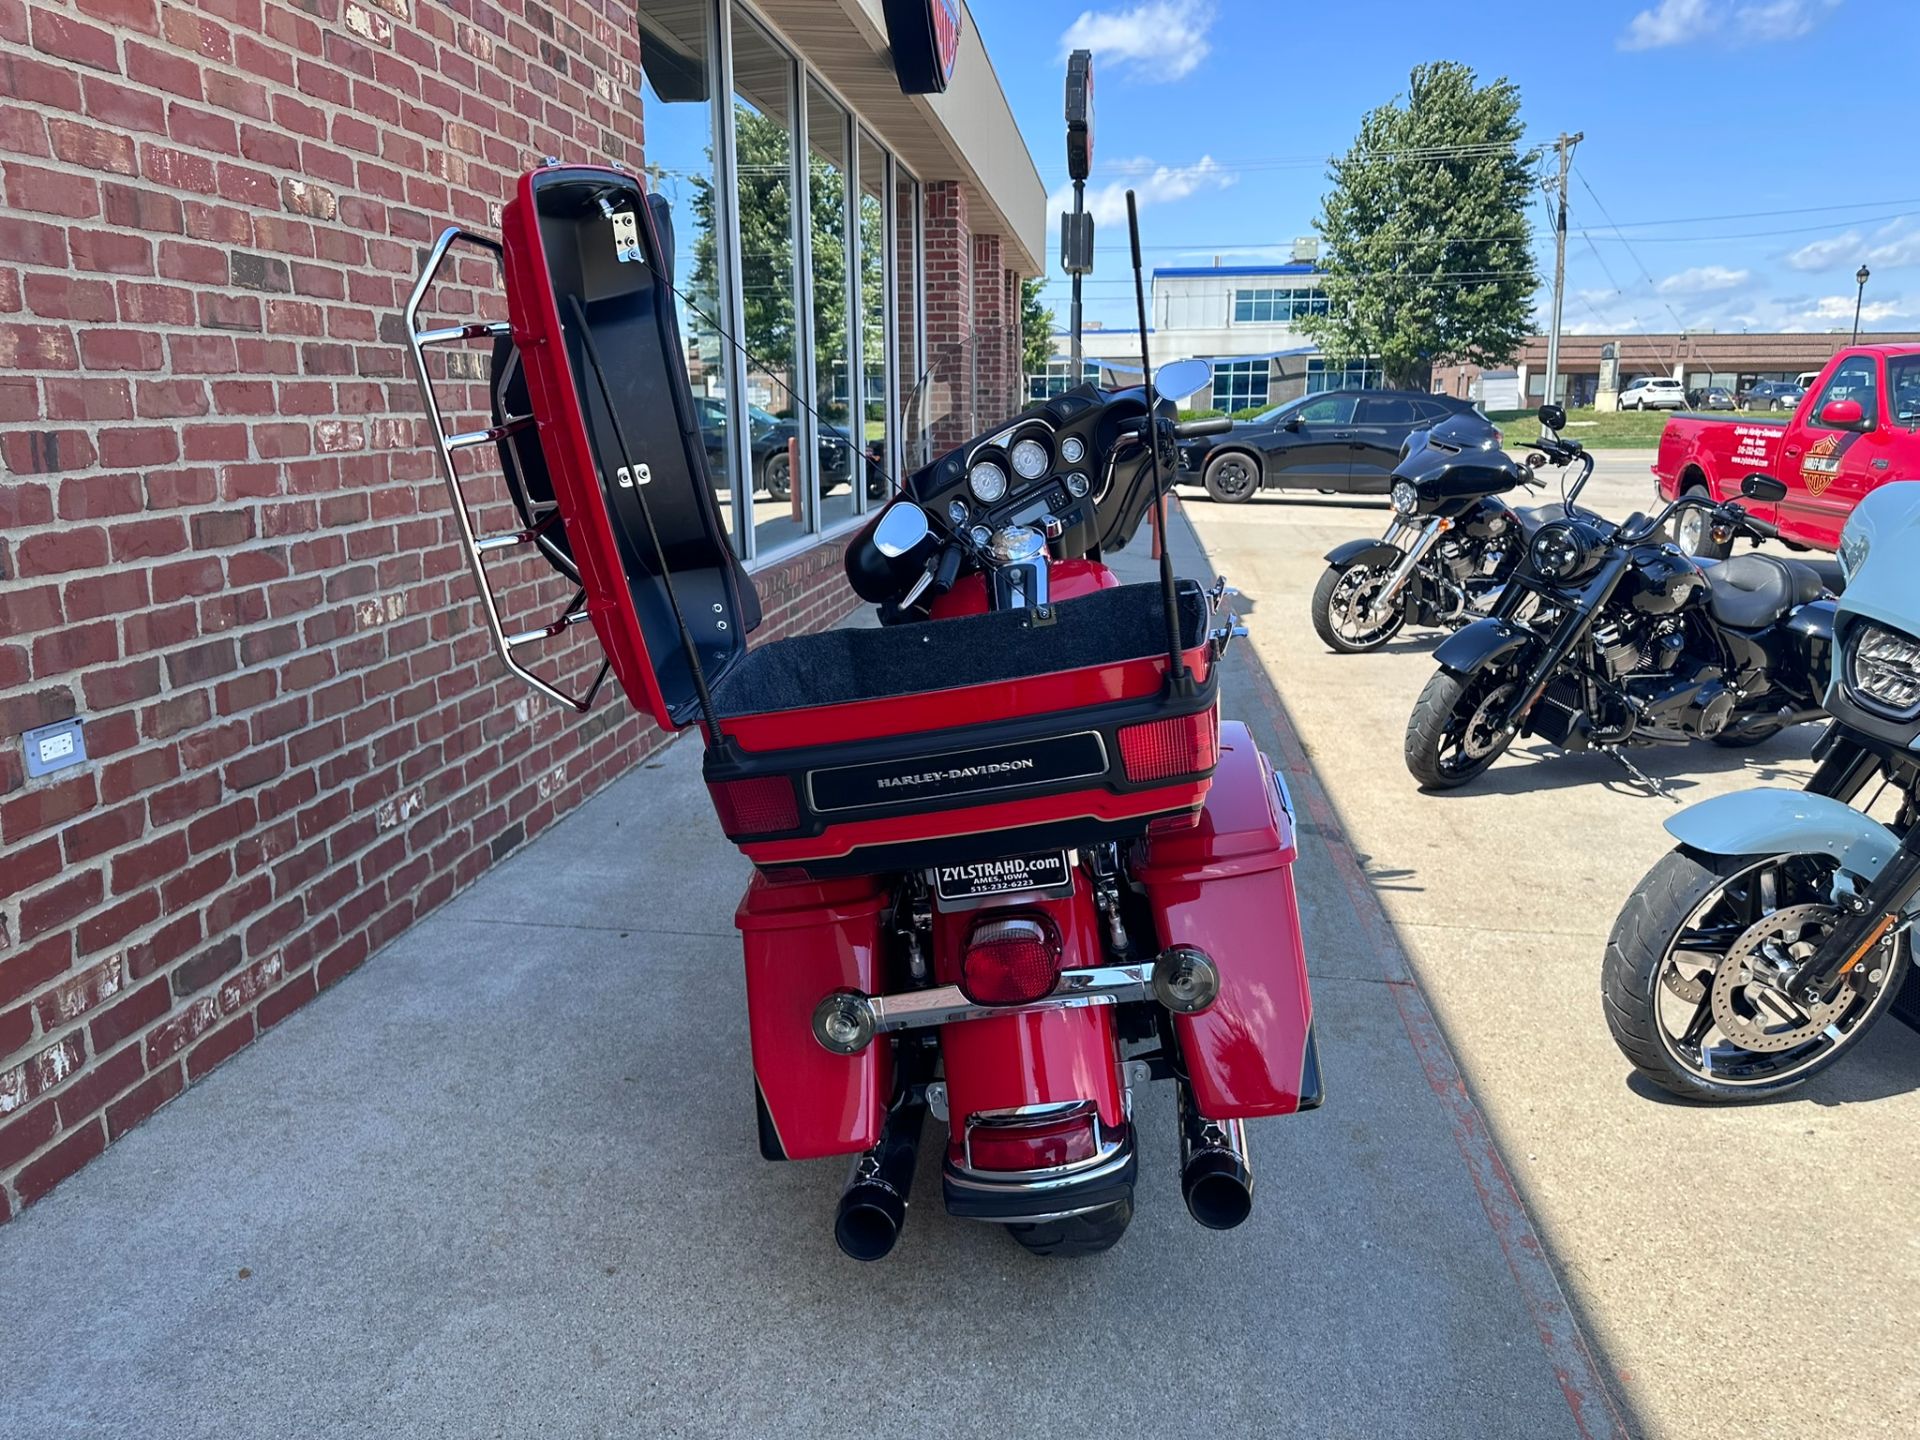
1689	984
1453	733
1340	616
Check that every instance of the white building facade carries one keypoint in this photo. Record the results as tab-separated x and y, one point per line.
1241	318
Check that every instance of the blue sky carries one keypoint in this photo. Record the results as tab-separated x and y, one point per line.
1742	157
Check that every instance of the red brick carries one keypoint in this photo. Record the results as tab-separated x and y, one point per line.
163	947
129	1015
28	866
30	709
118	921
46	452
95	1087
175	1034
145	1098
221	1045
91	148
46	807
112	686
24	1131
60	903
57	35
104	830
24	971
36	1179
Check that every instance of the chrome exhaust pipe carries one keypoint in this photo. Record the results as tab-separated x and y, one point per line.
1215	1175
873	1207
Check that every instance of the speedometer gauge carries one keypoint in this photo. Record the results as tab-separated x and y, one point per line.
987	481
1029	459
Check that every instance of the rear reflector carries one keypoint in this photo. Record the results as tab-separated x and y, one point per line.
1032	1147
756	807
1010	962
1163	749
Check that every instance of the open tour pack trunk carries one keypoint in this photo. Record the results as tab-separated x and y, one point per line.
843	753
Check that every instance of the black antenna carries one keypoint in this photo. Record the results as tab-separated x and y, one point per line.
592	351
1176	665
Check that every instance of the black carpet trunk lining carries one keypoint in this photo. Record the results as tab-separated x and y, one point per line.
845	665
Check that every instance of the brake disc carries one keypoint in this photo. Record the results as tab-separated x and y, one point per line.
1482	729
1750	1002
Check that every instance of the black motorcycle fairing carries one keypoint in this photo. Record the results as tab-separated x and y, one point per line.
1451	465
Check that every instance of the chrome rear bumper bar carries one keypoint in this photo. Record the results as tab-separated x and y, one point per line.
846	1022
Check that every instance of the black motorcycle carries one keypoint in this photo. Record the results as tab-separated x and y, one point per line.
1447	553
1609	635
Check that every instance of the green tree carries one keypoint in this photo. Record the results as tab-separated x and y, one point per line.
1036	327
1427	255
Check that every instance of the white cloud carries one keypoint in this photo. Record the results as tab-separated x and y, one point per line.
1896	245
1823	254
1703	280
1724	22
1155	184
1156	40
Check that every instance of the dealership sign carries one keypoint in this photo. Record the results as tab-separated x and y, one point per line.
924	36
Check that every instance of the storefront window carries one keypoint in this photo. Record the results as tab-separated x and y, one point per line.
763	117
829	295
1240	385
676	96
874	437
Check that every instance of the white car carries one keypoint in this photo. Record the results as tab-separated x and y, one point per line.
1654	392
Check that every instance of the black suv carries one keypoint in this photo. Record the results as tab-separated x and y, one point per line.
1338	442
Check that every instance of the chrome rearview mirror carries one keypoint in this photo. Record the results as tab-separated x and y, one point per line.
900	529
1182	378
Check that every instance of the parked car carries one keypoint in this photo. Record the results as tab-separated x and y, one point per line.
771	465
1855	430
1773	395
1337	442
1712	397
1654	392
1806	378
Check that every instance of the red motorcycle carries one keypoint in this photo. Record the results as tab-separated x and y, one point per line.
1009	863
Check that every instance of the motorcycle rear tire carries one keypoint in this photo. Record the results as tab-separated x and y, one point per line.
1077	1234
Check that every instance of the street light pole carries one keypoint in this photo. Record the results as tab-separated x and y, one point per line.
1862	275
1565	146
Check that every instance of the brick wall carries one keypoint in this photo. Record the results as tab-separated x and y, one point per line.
221	543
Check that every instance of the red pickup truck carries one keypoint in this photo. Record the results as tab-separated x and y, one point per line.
1857	427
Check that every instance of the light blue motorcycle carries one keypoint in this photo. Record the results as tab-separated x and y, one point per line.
1759	951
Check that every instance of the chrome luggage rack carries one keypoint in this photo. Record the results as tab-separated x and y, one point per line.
478	547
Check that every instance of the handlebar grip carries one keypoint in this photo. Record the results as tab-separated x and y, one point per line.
948	570
1212	425
1761	528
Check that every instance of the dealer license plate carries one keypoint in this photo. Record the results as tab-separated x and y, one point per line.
1045	871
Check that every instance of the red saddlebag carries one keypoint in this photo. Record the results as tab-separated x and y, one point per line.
1226	887
802	942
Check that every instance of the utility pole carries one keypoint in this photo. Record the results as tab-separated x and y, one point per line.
1565	146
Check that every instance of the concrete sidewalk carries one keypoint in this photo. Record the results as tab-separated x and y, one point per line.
502	1181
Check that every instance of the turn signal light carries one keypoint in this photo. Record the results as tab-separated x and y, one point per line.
1162	749
1010	962
764	806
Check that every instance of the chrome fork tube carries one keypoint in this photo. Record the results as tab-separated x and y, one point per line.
1416	552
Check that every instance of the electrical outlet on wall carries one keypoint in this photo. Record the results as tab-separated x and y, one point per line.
54	747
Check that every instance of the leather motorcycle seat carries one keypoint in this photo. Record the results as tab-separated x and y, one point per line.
1751	592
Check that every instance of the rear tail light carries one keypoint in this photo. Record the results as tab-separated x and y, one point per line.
1032	1147
1010	962
765	806
1162	749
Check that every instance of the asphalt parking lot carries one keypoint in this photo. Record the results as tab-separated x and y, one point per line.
1725	1260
